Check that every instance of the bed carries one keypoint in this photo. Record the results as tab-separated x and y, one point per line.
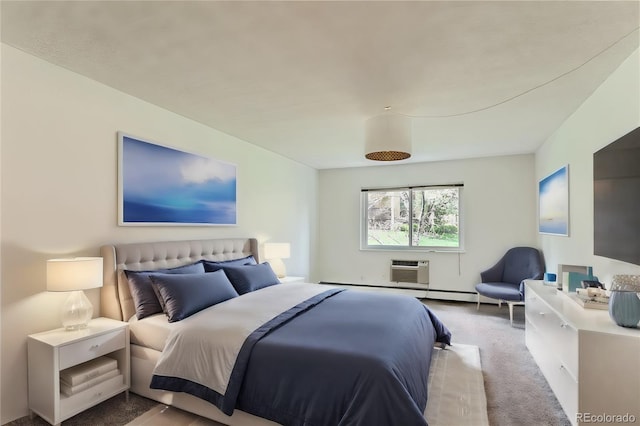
310	354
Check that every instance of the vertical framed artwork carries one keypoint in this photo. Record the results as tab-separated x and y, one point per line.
159	185
553	203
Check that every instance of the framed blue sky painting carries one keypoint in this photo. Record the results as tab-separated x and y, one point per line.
553	199
159	185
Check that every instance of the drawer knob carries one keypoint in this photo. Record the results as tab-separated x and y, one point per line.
542	313
94	347
563	325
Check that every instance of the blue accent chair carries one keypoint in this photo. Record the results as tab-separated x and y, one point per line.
505	280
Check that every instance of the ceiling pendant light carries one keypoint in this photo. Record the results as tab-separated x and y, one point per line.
388	137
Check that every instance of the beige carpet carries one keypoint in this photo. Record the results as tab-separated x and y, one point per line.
456	388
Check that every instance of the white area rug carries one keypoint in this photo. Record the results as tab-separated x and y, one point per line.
456	388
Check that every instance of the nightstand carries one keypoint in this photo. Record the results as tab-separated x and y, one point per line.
291	279
51	352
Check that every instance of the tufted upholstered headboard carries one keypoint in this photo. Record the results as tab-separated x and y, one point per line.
115	298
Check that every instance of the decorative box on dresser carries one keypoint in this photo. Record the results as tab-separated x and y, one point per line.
591	364
51	352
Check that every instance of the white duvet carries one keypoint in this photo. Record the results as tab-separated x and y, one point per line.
203	347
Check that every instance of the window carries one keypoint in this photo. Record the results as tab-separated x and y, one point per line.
415	218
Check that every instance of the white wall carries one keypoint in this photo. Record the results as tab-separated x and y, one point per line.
611	111
498	205
59	193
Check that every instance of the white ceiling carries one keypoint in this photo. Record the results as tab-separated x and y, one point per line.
300	78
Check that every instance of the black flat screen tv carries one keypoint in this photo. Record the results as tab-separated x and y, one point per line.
616	199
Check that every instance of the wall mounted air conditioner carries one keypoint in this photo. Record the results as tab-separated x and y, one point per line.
410	271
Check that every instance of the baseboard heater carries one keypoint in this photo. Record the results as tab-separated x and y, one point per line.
374	286
430	290
451	295
454	291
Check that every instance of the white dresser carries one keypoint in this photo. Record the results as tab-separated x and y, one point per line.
592	364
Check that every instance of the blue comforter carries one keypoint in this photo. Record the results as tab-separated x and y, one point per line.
343	358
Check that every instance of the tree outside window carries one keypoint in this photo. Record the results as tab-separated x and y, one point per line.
413	217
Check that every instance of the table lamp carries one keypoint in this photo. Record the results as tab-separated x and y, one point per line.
274	253
74	275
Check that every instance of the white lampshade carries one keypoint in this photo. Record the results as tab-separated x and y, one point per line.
274	253
388	137
79	273
74	275
277	250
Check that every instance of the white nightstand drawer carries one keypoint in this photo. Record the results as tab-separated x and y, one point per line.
84	350
70	405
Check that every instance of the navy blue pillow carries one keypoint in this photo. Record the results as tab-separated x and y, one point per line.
212	265
184	295
144	298
251	277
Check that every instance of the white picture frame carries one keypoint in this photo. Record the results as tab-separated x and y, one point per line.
553	203
159	185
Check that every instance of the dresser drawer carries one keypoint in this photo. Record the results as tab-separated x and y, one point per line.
84	350
565	388
541	316
70	405
535	310
563	384
565	338
560	337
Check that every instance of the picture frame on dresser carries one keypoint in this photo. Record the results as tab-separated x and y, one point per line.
159	185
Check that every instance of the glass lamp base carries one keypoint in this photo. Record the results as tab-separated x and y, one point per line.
278	267
76	311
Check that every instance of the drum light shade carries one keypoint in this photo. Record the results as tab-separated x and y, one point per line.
388	137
